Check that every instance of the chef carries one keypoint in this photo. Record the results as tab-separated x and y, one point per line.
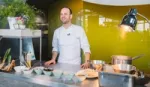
68	40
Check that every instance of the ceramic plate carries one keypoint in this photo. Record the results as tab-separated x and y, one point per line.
89	73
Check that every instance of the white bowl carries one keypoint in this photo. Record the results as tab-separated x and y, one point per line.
47	72
28	71
38	70
19	68
78	79
68	75
57	73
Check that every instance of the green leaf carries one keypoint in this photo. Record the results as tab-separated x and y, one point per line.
9	59
6	54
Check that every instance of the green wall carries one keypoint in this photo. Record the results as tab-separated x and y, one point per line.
101	25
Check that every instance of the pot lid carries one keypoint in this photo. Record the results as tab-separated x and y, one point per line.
121	57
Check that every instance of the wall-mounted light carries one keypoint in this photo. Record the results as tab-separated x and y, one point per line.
129	21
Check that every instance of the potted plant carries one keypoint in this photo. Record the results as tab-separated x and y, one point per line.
18	8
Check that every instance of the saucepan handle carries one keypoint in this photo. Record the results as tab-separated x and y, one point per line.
136	57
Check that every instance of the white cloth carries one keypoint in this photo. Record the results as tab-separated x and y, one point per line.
68	43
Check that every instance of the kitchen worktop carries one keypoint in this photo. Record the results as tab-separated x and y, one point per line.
20	80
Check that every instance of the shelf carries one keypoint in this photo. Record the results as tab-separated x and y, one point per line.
20	33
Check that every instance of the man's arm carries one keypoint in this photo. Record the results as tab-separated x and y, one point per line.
86	49
54	51
53	60
54	55
85	45
87	57
86	64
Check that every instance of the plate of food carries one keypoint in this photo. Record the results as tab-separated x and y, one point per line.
88	73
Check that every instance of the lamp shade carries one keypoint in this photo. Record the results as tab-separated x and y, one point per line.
130	19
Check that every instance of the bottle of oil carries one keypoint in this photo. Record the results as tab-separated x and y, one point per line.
29	57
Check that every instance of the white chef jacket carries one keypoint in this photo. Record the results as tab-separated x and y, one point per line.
68	43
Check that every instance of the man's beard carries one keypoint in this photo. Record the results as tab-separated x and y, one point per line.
65	22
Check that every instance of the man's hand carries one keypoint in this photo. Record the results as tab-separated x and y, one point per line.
50	62
85	65
87	61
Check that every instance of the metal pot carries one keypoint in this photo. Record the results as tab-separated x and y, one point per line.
122	59
97	64
123	68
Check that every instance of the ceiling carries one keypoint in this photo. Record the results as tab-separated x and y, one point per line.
115	10
119	2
